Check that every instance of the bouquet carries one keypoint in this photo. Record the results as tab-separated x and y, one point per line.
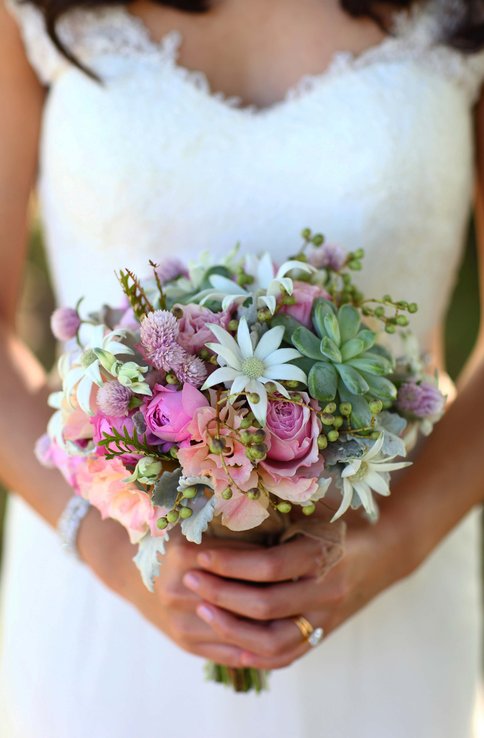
233	393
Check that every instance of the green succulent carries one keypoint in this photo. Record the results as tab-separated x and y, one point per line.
348	363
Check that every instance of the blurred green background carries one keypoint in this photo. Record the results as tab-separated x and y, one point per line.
37	304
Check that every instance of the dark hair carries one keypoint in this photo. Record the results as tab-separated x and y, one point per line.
466	33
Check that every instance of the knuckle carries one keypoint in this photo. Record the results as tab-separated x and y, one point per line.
263	609
271	569
171	596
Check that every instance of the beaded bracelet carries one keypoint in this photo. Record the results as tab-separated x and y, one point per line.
69	522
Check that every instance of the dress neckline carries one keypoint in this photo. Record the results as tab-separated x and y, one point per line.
169	45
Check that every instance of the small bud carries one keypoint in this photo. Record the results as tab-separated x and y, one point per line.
288	300
258	436
291	384
271	388
190	492
327	419
330	408
375	435
177	312
264	315
333	436
376	407
306	234
380	312
284	507
338	422
322	443
205	354
253	494
389	328
247	421
258	452
227	494
162	523
173	516
309	509
217	445
355	265
254	398
65	322
387	298
402	320
359	253
171	378
246	437
318	239
186	512
174	452
345	409
413	307
402	305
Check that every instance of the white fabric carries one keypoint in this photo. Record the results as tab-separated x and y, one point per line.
375	152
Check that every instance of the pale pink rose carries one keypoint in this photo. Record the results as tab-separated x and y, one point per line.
193	325
295	489
103	483
292	436
170	411
239	513
104	425
304	294
53	456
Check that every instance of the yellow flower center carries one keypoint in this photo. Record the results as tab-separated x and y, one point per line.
253	367
362	472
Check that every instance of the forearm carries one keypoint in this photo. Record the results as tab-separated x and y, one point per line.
24	416
447	478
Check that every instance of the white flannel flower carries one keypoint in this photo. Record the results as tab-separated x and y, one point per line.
247	368
266	286
84	371
366	473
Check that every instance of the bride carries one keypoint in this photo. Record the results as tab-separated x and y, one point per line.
356	118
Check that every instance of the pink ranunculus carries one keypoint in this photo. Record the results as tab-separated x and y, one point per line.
105	424
193	325
170	411
304	294
298	489
103	483
293	432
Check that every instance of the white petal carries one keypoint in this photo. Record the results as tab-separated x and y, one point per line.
269	302
385	467
225	374
280	388
293	264
224	337
265	271
351	468
226	353
226	286
244	340
378	483
285	371
269	342
94	374
238	385
345	502
114	347
369	505
281	356
375	449
260	408
84	395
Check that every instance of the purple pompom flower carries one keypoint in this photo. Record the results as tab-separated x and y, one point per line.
328	256
171	269
159	333
193	371
113	399
423	400
65	323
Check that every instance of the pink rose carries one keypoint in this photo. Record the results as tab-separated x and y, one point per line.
293	432
104	425
169	412
53	456
304	294
193	326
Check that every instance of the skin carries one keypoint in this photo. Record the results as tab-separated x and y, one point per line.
231	604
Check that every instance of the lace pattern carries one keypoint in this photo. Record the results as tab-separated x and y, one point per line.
93	33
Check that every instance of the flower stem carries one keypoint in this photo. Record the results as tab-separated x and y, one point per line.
241	680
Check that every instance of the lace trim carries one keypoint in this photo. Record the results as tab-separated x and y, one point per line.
91	33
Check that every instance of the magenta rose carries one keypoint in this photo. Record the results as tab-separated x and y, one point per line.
193	326
104	425
293	433
169	412
304	294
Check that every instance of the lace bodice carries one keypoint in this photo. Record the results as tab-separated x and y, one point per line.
376	151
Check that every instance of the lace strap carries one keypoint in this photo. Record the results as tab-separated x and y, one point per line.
45	59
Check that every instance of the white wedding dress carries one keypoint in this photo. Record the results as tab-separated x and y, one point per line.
376	152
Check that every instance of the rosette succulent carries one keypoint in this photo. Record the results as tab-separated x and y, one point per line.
348	363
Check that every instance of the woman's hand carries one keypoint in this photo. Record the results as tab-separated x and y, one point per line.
263	590
105	547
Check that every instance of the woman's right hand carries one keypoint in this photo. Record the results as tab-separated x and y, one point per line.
105	547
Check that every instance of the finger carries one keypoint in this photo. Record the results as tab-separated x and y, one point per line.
269	640
300	557
271	602
219	653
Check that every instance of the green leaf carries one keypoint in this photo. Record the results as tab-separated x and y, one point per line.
332	327
147	558
368	337
375	364
203	512
360	415
381	388
349	322
165	490
330	350
290	324
323	382
321	307
307	343
353	347
352	379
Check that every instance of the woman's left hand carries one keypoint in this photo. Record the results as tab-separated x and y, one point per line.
250	598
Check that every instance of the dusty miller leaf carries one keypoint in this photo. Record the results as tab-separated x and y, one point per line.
147	558
166	489
203	512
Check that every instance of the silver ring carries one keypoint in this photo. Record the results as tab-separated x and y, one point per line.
313	636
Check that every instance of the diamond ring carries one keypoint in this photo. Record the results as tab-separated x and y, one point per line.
313	636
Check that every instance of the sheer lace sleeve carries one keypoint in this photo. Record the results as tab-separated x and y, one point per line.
46	60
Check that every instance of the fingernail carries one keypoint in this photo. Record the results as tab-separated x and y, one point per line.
192	581
205	613
204	559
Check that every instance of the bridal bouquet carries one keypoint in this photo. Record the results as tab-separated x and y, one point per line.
228	393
